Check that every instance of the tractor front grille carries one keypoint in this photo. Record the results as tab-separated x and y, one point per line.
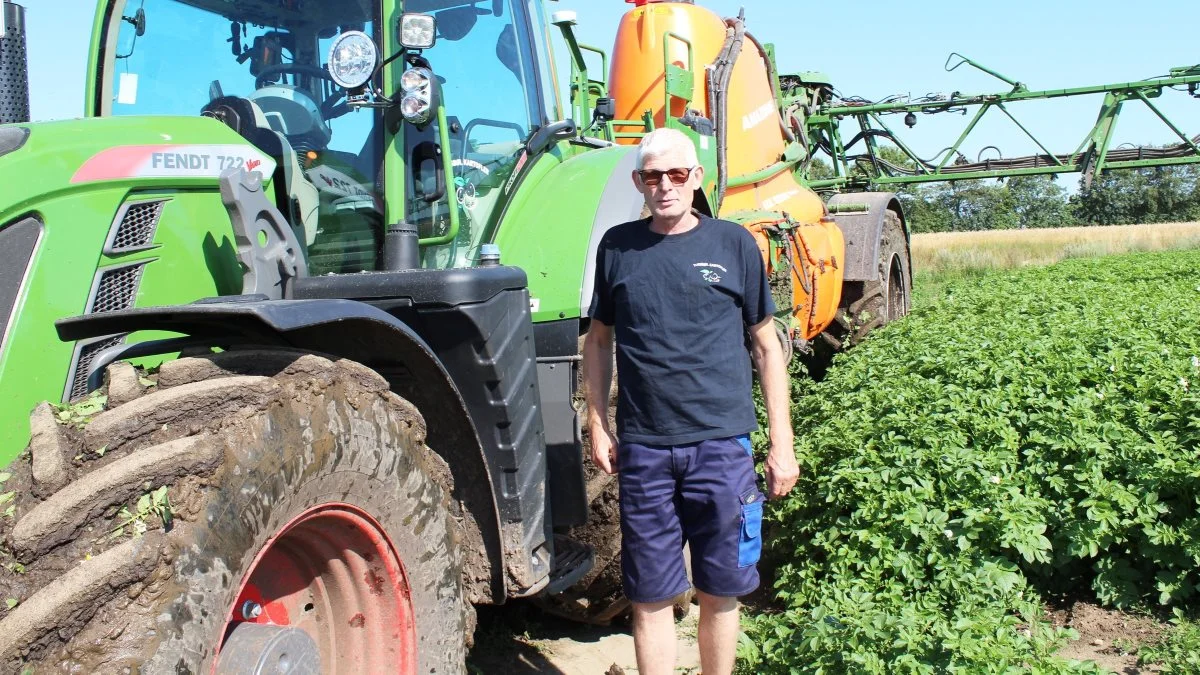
116	289
85	353
133	228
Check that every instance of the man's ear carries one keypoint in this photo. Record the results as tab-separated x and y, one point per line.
698	177
637	183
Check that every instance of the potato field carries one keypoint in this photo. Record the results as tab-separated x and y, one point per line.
1024	438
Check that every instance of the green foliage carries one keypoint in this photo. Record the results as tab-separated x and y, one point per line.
1022	202
1030	431
7	498
155	503
1179	653
78	414
1159	195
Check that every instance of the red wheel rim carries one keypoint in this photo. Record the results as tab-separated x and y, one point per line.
333	573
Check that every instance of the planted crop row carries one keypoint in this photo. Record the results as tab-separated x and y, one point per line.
1029	433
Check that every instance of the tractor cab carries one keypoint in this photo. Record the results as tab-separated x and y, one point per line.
263	68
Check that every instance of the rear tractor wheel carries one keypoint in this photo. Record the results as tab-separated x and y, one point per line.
256	511
867	305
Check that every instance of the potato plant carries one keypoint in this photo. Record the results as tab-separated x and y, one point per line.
1029	433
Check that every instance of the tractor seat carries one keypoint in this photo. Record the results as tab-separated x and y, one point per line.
295	195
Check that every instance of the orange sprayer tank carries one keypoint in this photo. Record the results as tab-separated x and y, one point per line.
647	36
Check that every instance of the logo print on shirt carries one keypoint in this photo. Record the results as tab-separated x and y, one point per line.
709	271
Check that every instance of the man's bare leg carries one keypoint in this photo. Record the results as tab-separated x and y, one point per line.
654	637
718	634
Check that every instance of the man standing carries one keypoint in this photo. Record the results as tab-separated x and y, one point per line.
677	293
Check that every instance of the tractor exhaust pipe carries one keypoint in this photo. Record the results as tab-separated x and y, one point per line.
14	71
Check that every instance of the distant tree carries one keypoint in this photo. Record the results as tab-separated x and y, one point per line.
819	169
1114	197
1156	195
1039	201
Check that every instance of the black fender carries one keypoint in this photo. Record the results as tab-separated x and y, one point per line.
863	230
363	333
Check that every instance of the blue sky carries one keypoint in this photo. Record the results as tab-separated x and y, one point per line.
870	48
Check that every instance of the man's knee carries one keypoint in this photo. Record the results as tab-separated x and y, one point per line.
716	603
649	609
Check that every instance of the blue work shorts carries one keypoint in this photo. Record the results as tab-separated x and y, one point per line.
703	494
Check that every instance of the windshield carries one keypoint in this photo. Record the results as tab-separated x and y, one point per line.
483	59
189	57
198	57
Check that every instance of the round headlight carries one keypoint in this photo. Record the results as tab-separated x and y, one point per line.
352	59
416	80
415	108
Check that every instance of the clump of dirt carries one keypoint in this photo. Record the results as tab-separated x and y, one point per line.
1111	638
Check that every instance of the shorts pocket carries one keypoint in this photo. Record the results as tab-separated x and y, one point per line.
744	441
750	538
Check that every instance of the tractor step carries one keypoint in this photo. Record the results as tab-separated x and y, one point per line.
572	560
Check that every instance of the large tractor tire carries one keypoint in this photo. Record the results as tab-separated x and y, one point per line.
305	530
867	305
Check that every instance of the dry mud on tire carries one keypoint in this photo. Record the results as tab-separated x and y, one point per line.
239	457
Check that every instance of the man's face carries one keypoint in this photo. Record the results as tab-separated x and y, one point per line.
668	200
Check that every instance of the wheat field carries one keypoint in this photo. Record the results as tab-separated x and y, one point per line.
967	252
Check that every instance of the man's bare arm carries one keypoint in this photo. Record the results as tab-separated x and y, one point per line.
597	379
781	467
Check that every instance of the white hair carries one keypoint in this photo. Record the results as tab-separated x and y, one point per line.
662	141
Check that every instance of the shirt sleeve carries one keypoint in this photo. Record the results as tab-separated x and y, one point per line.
757	303
602	307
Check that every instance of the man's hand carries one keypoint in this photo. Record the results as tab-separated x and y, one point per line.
597	376
604	449
781	469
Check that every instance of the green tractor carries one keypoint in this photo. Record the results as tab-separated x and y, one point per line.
304	290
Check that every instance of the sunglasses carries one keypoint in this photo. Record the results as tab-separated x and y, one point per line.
651	177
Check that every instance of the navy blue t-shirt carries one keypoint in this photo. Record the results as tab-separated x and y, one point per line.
679	306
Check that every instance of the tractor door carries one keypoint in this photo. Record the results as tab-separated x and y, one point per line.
485	62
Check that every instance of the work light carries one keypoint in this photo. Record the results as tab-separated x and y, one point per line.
417	31
352	59
419	99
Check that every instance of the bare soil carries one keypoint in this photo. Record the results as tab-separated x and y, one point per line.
520	639
1109	637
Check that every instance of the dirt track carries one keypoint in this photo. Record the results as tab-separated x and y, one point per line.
520	640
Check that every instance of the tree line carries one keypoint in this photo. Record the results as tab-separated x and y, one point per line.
1119	197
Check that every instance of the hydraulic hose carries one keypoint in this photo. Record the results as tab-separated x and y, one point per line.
722	74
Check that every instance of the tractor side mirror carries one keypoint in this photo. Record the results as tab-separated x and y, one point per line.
266	51
138	20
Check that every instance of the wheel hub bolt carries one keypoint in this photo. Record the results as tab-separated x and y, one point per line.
251	610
